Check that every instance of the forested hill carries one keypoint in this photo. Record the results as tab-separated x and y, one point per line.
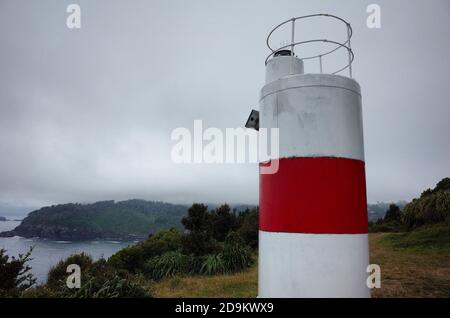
432	208
131	219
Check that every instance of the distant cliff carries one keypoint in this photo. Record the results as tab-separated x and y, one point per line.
124	220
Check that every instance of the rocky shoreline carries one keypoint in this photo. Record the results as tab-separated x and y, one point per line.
62	233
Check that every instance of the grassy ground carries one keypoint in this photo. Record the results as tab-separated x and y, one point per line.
243	284
413	264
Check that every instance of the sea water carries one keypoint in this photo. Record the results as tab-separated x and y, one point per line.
47	253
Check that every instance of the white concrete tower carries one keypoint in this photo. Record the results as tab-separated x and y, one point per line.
313	227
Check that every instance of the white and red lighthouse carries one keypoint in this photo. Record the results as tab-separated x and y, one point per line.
313	239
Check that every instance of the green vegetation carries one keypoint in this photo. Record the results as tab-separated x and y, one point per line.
15	276
211	245
425	239
108	286
404	273
241	284
213	264
98	280
413	264
378	210
215	257
169	264
415	256
433	207
133	257
57	274
132	219
236	255
392	221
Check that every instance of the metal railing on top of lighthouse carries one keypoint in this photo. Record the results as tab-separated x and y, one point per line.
293	44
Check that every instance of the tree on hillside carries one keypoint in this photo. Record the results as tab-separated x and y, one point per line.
223	222
197	219
393	214
442	185
391	222
432	207
199	237
248	226
15	274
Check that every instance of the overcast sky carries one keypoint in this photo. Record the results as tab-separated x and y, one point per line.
87	114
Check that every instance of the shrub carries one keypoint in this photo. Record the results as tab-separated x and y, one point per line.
223	221
169	264
199	239
129	259
249	225
98	280
107	285
199	244
236	255
133	258
57	275
161	242
429	209
393	214
197	219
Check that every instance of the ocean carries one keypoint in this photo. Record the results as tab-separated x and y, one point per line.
47	253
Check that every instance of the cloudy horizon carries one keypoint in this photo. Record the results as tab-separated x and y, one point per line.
86	115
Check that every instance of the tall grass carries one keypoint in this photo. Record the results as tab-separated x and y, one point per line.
213	265
235	257
169	264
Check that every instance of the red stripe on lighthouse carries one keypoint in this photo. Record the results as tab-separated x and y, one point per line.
314	195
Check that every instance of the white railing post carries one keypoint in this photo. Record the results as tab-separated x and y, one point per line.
349	54
293	36
320	63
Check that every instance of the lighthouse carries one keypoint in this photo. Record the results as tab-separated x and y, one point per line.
313	225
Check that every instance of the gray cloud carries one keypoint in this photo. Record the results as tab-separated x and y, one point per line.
87	114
